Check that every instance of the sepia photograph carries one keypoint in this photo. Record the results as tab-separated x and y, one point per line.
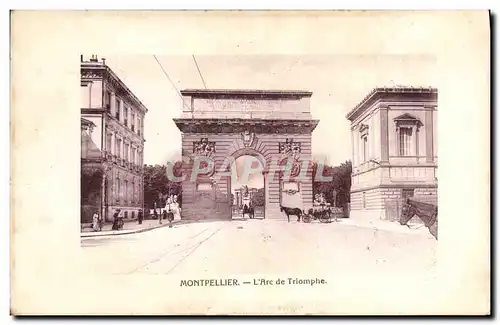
246	165
265	170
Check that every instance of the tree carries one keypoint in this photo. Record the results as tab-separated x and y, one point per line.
90	184
157	186
90	191
258	198
340	183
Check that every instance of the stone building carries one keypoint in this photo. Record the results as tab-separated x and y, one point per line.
117	119
394	151
266	124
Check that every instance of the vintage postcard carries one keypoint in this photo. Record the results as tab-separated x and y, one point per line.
250	163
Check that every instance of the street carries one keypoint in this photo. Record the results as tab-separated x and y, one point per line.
245	247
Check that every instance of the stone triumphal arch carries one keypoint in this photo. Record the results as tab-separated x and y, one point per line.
269	125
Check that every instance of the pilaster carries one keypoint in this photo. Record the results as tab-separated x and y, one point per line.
384	134
429	134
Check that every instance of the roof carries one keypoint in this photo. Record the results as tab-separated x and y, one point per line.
378	92
84	121
89	148
246	92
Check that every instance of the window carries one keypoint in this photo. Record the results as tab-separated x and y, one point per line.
364	143
139	126
407	193
405	140
107	101
117	189
133	214
117	108
118	149
125	115
364	200
407	130
133	122
85	93
363	130
125	196
126	214
108	142
133	193
125	153
133	156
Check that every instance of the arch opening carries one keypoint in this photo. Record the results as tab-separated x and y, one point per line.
247	186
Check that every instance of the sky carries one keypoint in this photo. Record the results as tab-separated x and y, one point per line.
338	83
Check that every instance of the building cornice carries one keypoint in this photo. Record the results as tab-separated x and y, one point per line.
398	186
392	94
258	126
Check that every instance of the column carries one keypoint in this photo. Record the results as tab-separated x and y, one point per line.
429	134
417	134
266	192
353	148
384	134
371	137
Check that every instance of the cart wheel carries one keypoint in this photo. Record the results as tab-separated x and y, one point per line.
324	219
306	218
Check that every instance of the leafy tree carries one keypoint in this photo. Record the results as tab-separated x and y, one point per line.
258	198
339	186
90	191
90	184
157	186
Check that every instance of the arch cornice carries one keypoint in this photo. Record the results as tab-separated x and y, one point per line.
259	126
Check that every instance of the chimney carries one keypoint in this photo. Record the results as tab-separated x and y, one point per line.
93	58
103	61
81	57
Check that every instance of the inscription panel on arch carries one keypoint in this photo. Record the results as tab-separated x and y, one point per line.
245	105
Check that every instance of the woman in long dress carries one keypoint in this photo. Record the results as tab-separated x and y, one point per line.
176	208
95	222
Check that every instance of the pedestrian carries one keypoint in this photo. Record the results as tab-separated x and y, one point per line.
95	221
116	220
140	217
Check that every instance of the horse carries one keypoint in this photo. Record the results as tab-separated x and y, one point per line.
427	212
292	212
248	210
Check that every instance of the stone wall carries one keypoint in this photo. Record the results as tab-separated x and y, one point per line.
379	201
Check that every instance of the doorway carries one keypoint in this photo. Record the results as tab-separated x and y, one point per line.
247	187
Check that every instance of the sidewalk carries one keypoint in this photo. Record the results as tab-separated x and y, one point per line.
414	228
130	227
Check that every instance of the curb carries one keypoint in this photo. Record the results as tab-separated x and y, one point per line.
127	232
417	231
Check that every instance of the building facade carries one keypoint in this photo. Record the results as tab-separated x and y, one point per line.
394	149
117	118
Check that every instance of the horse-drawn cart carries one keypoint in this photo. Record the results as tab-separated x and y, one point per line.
321	212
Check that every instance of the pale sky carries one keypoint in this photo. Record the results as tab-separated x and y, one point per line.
338	83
